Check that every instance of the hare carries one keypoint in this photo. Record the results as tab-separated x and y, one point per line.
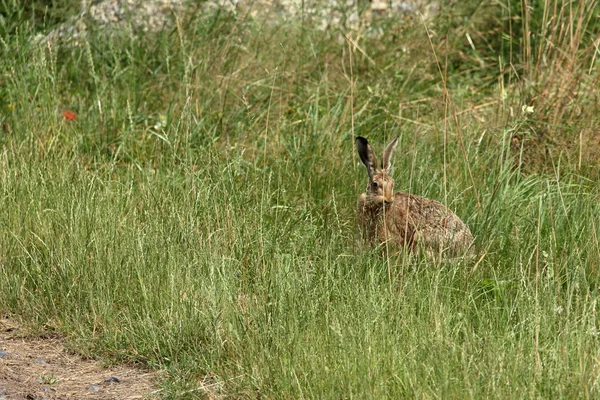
402	219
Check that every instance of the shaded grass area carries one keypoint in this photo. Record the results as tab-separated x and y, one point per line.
198	217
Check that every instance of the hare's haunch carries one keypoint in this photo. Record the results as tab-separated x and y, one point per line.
402	219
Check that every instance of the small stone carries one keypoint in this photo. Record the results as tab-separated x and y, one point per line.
3	354
39	361
112	379
379	5
94	388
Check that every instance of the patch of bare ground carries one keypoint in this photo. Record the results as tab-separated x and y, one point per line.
43	369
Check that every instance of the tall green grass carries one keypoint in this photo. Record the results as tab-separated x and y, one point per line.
198	217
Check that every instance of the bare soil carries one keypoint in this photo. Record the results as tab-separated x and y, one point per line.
43	369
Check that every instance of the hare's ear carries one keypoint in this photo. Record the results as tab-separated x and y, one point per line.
367	155
386	162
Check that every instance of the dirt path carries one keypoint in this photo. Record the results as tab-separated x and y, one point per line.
42	369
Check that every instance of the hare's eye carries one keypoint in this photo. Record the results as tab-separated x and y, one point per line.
374	185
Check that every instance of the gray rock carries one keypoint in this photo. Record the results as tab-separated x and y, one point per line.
155	15
94	388
4	354
147	15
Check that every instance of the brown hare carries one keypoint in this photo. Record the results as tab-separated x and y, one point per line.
401	219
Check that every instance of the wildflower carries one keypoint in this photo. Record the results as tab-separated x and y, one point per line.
69	115
559	309
527	109
11	107
161	123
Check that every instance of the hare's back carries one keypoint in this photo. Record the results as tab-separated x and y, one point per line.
433	225
426	214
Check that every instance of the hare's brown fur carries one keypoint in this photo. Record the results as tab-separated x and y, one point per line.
402	219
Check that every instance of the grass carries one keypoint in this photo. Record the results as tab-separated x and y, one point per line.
198	215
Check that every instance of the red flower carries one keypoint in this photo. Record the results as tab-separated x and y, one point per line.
69	115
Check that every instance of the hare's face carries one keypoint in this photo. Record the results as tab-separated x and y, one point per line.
381	188
381	185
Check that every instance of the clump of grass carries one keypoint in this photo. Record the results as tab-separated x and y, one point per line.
543	57
560	78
